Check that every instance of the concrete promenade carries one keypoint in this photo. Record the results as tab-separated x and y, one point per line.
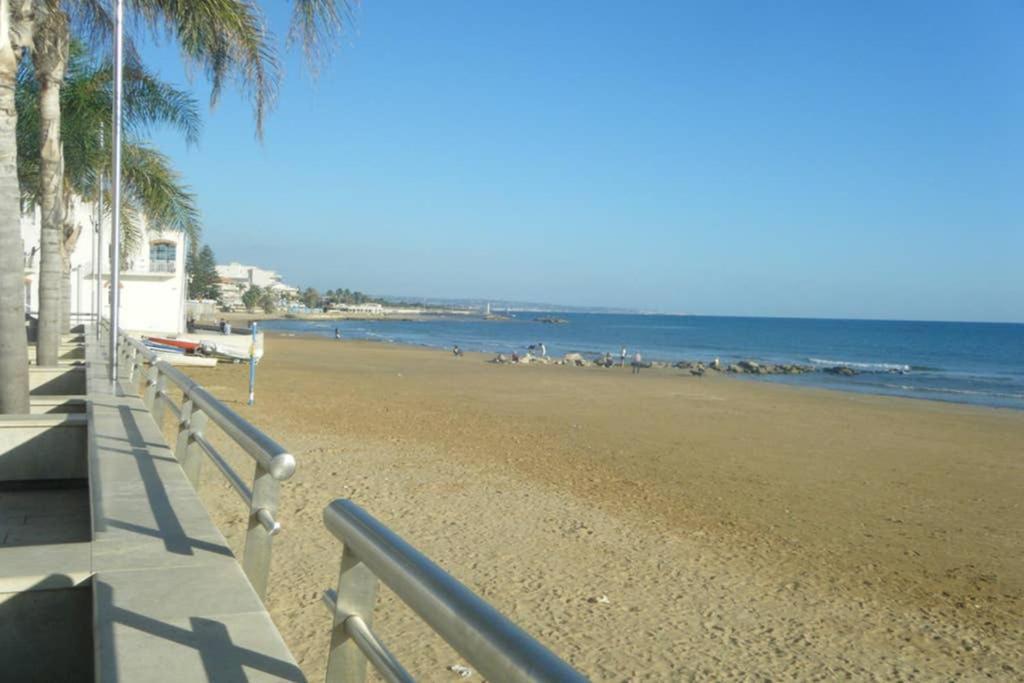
108	560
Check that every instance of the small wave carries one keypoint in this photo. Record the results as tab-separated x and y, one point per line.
947	390
877	367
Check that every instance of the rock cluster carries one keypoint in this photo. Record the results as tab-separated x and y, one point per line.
696	368
749	367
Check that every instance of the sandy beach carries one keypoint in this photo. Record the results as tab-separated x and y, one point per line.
653	527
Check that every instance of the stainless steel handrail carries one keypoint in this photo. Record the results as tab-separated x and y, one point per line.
274	464
499	649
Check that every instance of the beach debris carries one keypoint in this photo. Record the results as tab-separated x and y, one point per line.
461	671
599	600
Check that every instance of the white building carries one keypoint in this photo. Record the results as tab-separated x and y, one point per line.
235	278
369	309
152	285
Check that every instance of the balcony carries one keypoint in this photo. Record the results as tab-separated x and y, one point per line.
162	266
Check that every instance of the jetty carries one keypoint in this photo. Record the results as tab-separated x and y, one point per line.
111	569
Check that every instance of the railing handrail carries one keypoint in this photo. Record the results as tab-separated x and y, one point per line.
270	454
273	464
499	649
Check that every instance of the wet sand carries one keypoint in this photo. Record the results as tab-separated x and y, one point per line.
738	529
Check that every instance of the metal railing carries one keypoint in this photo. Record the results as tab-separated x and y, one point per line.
159	266
371	553
199	408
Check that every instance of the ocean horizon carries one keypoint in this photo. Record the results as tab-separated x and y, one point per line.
978	363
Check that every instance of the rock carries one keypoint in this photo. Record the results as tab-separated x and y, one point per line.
575	359
748	366
841	370
716	365
697	371
734	368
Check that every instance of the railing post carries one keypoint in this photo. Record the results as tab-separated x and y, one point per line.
357	593
256	557
132	365
149	393
190	454
138	362
159	405
184	430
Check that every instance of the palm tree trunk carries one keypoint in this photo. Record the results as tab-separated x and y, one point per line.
65	295
69	240
50	60
13	342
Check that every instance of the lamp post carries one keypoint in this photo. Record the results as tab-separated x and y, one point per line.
115	189
99	246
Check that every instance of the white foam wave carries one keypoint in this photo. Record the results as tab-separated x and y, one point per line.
861	366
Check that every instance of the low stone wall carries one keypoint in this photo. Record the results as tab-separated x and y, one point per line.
43	447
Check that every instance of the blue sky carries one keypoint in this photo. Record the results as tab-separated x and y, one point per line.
735	158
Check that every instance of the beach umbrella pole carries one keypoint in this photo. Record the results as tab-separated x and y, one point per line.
252	366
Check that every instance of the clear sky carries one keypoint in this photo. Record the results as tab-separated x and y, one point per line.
858	159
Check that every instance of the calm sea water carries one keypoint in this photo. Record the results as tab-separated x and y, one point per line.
980	363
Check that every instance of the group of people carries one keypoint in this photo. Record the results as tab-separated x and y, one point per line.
637	362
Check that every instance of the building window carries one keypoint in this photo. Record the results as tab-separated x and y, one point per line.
162	257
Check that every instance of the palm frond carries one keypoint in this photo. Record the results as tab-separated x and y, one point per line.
227	39
317	27
156	191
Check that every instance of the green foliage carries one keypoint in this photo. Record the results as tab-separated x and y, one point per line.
268	302
201	269
251	297
153	189
311	298
346	296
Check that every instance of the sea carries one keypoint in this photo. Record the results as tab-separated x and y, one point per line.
976	363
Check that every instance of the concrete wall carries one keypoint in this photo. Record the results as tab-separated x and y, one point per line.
59	381
43	447
47	635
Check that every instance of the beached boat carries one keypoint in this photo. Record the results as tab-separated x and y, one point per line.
206	327
162	347
221	351
181	359
178	343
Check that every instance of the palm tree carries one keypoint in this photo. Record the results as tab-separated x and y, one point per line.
15	31
226	38
153	191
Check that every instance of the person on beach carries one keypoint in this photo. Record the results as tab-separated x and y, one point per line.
515	357
456	351
622	357
638	362
337	333
543	350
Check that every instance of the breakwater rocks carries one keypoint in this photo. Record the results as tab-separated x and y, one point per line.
696	368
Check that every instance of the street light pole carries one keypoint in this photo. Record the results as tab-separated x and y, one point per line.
99	246
115	190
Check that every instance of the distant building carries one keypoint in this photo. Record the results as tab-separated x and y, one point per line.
152	283
235	278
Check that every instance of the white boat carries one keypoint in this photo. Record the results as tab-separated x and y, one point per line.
184	360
